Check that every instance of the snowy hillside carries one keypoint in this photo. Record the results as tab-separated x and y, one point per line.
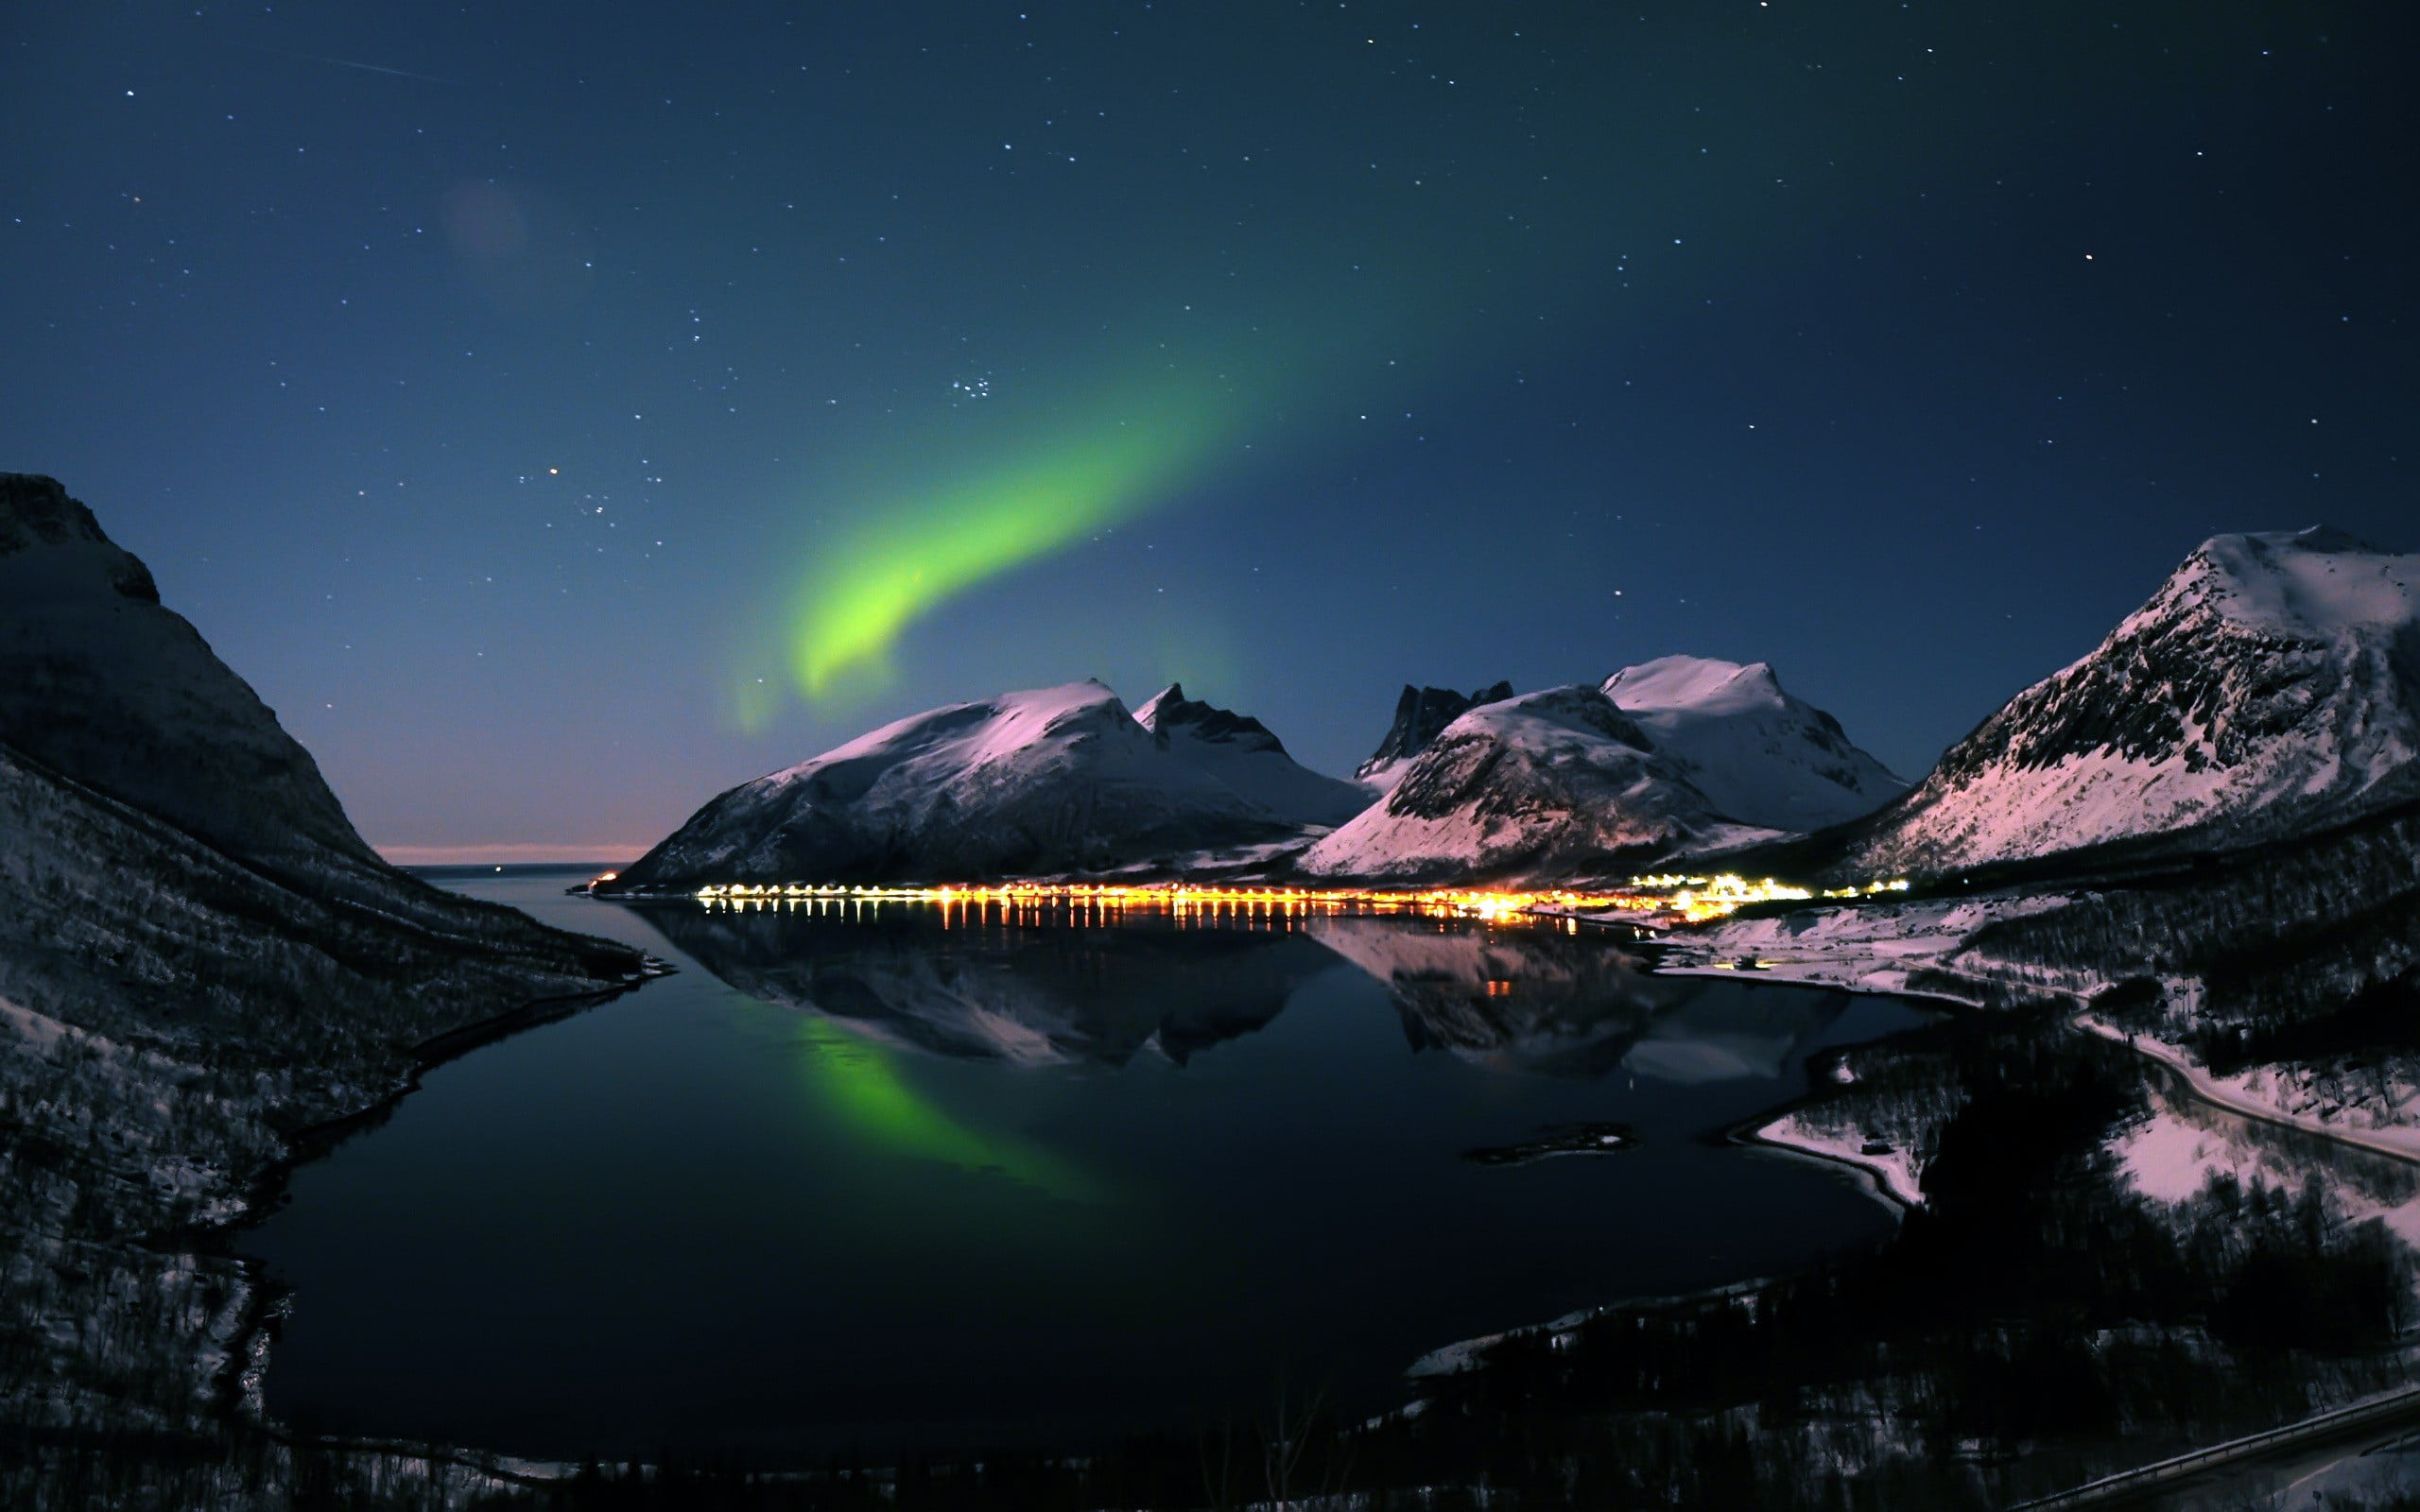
1045	782
1547	784
1420	714
2272	685
1241	753
1762	755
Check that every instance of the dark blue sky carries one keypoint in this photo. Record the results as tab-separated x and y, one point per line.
522	397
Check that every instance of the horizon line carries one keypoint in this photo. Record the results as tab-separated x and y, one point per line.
540	852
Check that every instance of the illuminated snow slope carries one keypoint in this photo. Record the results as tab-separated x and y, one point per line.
1047	782
1239	751
2271	686
1763	756
1543	785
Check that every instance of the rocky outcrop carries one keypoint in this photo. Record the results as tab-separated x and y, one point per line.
1421	716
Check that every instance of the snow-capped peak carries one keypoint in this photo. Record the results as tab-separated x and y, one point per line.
2315	583
1763	755
1557	783
1244	754
1695	682
2270	684
968	736
1046	780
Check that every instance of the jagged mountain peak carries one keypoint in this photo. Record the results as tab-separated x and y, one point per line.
1248	757
1421	714
1170	710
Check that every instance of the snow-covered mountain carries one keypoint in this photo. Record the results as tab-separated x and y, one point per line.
1421	714
1239	751
2271	686
1051	780
1544	785
1764	756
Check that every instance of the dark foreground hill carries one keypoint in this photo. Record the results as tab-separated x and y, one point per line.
199	959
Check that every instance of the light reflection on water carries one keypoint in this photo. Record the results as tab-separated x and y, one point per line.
867	1180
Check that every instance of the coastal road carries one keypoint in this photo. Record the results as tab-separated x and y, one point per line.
2346	1431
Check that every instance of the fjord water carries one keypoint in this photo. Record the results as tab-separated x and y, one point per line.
866	1178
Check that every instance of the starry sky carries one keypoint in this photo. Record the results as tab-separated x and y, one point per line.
562	412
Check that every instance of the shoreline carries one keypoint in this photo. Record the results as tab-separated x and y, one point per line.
1876	1182
236	1402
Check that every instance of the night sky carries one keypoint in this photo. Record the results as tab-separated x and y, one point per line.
561	412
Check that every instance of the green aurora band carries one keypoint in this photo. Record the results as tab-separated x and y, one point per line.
898	563
1357	291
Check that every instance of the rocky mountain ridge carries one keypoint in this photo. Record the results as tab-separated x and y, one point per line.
1421	714
1241	753
2269	687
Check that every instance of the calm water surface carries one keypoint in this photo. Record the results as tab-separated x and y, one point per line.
873	1178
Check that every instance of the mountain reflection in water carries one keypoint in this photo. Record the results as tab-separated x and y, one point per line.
1532	1000
906	1176
1031	995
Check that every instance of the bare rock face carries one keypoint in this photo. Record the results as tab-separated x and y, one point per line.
1421	716
2271	687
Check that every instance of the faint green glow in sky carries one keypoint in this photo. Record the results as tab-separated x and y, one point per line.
904	556
855	1079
